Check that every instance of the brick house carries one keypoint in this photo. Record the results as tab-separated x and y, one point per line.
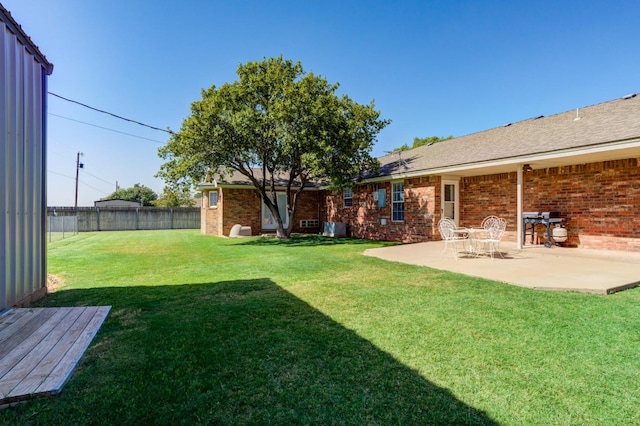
582	164
235	201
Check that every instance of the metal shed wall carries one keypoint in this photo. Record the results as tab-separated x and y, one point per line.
23	79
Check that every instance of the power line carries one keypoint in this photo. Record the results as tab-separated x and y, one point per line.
94	188
105	181
60	174
84	183
111	114
105	128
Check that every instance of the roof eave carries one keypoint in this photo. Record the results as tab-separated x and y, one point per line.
628	148
209	186
31	47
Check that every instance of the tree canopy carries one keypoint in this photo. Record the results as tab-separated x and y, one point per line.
136	193
422	141
278	126
178	197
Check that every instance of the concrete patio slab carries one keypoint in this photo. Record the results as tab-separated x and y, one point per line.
534	266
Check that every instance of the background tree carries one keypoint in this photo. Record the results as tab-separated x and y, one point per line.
278	126
178	197
422	141
136	193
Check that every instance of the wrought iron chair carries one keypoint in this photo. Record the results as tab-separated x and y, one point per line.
450	237
491	241
488	221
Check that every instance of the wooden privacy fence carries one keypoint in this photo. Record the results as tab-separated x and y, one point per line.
130	218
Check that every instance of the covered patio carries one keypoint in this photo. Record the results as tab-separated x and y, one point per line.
533	266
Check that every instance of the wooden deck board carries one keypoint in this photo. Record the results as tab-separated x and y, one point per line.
24	347
47	343
16	326
35	367
62	371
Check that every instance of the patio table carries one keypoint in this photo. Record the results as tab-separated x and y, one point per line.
471	234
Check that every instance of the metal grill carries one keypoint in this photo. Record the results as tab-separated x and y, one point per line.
531	219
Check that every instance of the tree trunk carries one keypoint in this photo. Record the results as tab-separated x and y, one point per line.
281	232
272	205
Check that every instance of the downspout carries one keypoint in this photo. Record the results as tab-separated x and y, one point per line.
519	207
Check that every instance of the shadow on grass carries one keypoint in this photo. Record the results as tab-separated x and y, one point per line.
309	240
240	352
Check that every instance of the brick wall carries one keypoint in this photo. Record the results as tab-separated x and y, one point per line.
209	218
600	201
309	207
241	206
363	217
366	220
482	196
244	206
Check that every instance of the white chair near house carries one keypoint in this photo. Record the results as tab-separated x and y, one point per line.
489	221
490	243
451	235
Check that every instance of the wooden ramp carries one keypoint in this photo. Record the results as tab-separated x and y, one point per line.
40	347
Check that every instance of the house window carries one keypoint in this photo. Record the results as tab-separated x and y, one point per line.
382	198
348	197
397	202
213	198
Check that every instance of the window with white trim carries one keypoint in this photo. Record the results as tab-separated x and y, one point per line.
348	197
213	198
397	202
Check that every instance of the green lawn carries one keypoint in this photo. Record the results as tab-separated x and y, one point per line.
206	330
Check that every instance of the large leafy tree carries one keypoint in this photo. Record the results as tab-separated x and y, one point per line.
137	192
279	127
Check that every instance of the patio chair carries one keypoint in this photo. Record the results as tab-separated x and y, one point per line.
491	242
488	221
450	237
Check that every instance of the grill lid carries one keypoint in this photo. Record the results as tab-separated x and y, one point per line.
540	215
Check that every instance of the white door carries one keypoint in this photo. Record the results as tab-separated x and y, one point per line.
268	222
450	205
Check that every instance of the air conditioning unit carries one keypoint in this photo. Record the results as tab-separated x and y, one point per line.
309	223
335	229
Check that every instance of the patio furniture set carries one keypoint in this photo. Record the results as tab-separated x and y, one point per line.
484	240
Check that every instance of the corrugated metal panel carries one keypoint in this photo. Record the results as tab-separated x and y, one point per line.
22	169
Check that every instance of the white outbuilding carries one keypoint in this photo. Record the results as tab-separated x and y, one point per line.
23	173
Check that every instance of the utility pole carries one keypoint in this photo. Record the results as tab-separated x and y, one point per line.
79	166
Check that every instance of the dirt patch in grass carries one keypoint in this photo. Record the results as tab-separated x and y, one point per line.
53	283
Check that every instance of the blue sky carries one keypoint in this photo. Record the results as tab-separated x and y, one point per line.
433	67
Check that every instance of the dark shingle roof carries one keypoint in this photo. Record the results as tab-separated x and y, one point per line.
600	124
233	177
612	121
